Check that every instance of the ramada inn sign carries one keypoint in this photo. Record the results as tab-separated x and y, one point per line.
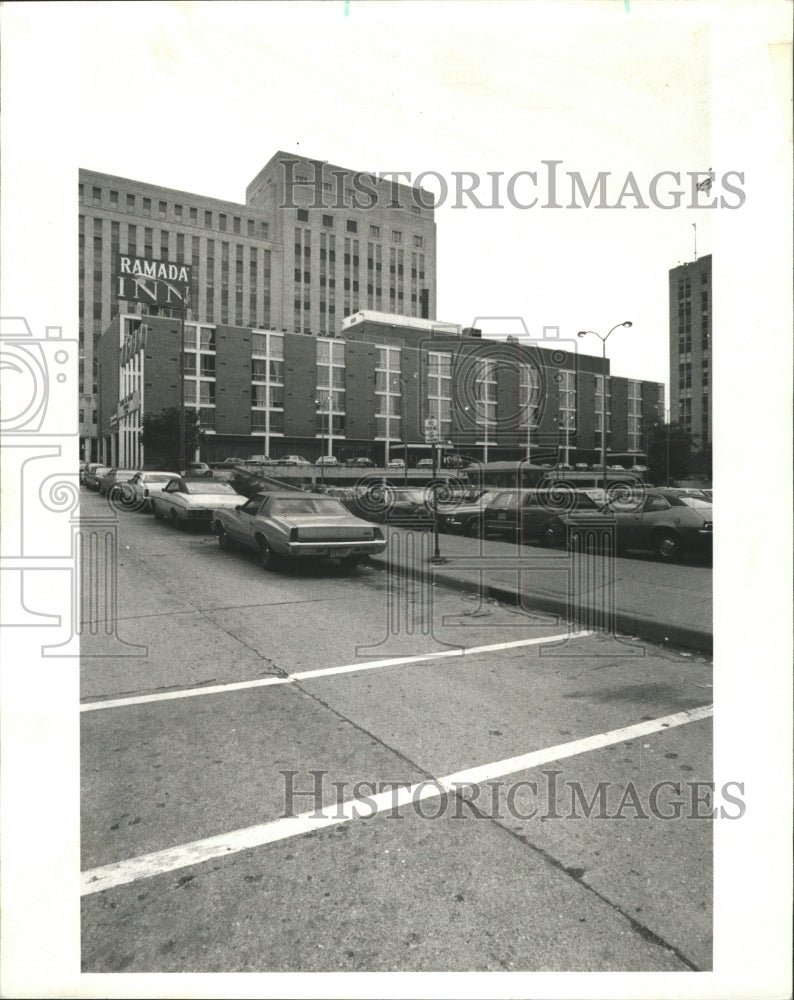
157	282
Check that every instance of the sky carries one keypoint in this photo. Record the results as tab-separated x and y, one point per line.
199	96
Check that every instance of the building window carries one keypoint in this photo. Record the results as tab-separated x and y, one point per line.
130	202
222	222
635	416
208	220
374	232
352	227
303	215
194	215
567	397
388	394
528	395
599	406
161	209
267	384
328	221
439	390
147	206
178	212
396	236
330	399
199	355
418	241
96	195
485	401
114	199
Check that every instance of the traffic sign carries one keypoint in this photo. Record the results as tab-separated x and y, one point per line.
431	430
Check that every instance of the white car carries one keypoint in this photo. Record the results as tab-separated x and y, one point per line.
396	463
141	485
186	501
292	460
327	460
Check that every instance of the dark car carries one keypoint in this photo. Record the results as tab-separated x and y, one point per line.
407	508
526	514
360	463
111	482
666	522
466	517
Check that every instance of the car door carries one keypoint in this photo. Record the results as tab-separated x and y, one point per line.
655	513
627	512
501	517
241	524
534	515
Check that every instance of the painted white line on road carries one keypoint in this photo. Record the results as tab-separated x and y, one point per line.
184	855
348	668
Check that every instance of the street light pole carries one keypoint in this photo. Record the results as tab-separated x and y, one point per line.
583	333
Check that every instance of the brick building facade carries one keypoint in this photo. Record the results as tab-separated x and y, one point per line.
367	392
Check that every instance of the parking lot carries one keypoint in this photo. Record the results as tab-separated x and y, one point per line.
283	780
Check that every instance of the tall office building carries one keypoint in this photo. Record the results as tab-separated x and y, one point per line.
690	348
312	244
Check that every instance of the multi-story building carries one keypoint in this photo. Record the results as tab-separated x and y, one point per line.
690	348
312	244
366	392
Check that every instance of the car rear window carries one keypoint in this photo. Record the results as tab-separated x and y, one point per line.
325	508
695	502
205	487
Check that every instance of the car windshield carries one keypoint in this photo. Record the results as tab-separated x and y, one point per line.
307	505
695	502
158	477
208	488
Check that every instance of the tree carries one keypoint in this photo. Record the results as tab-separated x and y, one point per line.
669	449
160	436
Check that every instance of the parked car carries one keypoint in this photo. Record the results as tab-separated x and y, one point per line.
664	521
259	460
292	460
408	508
143	482
466	518
360	463
525	514
93	474
395	463
425	463
87	468
235	461
110	482
290	525
190	500
327	460
198	470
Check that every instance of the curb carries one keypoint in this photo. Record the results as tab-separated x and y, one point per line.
662	633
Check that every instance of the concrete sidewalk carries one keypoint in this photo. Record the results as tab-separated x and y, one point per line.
634	595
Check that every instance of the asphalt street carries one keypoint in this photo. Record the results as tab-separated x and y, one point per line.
304	771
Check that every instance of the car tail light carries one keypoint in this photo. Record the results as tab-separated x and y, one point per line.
377	533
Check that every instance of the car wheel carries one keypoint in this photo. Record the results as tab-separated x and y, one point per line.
177	523
549	535
267	556
158	514
668	546
475	528
350	562
224	540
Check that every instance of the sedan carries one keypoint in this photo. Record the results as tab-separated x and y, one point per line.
408	508
293	460
141	484
198	470
360	463
666	522
526	514
186	501
395	463
93	474
279	525
110	483
466	518
327	460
